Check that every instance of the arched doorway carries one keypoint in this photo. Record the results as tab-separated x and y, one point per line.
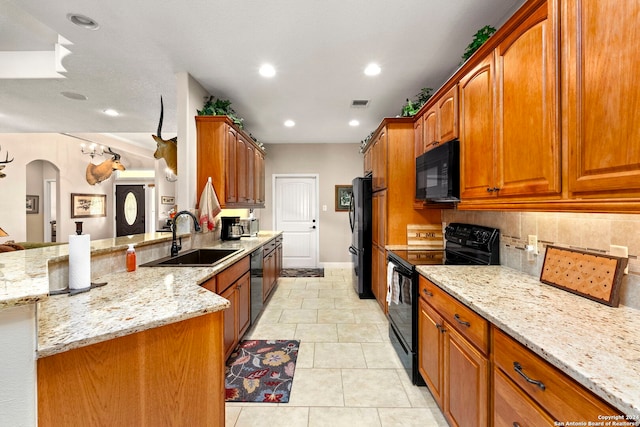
42	190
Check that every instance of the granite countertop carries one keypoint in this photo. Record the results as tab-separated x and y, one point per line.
23	274
131	302
597	345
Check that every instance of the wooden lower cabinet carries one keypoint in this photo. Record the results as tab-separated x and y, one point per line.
466	381
431	339
550	390
456	371
379	276
512	406
170	375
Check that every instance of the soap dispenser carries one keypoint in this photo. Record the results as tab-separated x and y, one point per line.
131	258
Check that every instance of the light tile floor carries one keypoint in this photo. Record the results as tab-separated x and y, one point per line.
347	372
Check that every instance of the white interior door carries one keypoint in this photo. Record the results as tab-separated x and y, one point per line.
296	215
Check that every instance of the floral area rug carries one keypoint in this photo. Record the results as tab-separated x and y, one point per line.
261	371
302	272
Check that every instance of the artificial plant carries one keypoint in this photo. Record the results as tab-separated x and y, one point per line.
412	107
479	39
220	107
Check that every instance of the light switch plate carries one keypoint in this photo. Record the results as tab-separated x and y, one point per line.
620	251
533	243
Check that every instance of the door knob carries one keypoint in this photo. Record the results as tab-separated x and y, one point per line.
314	227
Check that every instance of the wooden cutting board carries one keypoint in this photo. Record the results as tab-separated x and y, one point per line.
427	236
594	276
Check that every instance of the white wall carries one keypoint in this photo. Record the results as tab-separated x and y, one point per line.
335	164
64	153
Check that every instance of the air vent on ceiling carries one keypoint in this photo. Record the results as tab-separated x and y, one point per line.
359	103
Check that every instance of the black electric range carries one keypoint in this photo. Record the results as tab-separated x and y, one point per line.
465	244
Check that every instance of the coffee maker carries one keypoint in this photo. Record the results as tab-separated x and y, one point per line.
231	228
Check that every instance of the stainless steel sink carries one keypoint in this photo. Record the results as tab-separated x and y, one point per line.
195	258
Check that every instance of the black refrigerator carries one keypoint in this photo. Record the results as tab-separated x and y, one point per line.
360	249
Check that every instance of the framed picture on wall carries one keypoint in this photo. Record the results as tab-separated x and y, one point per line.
88	205
33	203
343	197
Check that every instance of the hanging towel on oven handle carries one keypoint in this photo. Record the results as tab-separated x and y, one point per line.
209	207
393	284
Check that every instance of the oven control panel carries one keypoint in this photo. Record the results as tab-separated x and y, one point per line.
473	236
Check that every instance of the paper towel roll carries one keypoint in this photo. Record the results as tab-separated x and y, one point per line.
79	261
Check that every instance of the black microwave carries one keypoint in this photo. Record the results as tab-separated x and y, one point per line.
438	173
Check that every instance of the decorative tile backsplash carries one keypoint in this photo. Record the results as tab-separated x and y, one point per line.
584	231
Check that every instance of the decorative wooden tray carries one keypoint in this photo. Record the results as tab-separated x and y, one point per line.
427	236
594	276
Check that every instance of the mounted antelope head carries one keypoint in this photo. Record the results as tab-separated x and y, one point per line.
166	149
5	162
103	171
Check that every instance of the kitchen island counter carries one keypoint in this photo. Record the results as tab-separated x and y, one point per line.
134	301
596	345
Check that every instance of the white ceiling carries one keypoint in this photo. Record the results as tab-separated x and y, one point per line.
318	47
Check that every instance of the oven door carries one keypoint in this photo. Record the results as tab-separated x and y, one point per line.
401	306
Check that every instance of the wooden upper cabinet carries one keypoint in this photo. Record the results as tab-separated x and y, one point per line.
527	120
477	153
600	46
229	157
430	129
379	161
510	139
231	194
417	138
258	182
447	107
368	167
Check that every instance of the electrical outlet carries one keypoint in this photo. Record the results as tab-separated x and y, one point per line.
324	208
533	243
620	251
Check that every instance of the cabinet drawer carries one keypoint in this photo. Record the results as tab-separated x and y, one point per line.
558	394
231	274
512	406
464	320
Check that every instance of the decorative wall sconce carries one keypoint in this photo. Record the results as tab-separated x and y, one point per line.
169	175
93	150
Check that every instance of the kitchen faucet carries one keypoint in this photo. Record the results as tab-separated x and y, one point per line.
175	247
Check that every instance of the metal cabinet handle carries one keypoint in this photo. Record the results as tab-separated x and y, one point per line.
441	328
518	368
459	320
496	188
516	424
427	293
489	189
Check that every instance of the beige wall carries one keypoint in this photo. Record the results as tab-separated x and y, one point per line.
587	231
335	164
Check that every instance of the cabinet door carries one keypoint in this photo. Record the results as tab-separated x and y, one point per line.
600	48
230	324
477	153
527	133
379	161
418	136
466	374
242	169
381	280
430	342
430	129
447	108
250	154
268	274
231	186
375	266
258	181
243	290
382	217
368	167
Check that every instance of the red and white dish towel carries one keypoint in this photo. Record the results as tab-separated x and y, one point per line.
209	207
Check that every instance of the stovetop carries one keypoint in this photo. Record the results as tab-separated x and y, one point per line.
465	244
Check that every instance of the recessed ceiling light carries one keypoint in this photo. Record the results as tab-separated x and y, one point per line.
111	112
74	95
289	123
372	70
83	21
354	123
267	70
